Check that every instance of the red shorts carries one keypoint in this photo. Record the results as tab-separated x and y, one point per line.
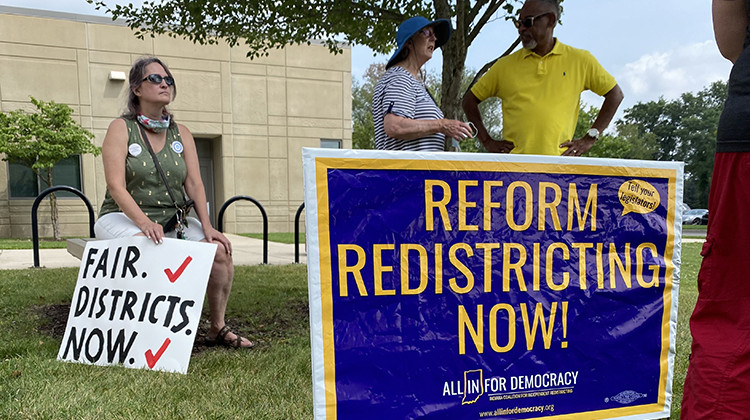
717	385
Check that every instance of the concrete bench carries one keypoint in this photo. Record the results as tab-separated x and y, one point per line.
76	246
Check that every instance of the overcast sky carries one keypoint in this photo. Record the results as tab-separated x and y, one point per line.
653	47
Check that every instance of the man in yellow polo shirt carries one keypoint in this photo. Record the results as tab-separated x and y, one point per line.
540	88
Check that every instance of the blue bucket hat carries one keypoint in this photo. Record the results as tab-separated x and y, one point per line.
413	25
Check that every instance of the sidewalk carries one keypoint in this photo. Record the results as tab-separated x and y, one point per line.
246	251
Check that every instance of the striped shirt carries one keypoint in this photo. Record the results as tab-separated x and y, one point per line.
399	93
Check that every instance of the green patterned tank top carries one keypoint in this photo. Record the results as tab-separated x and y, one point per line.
143	181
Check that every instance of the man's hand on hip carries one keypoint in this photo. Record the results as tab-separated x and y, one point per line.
577	147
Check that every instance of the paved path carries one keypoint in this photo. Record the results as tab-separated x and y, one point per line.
247	251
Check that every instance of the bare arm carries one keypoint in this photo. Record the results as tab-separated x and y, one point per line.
470	104
730	20
197	192
114	153
408	129
612	100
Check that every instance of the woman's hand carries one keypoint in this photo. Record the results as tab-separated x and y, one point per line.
408	129
455	129
214	236
152	230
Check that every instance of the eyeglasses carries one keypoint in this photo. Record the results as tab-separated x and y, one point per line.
156	79
427	32
529	21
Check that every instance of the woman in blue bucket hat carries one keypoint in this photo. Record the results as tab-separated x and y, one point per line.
405	115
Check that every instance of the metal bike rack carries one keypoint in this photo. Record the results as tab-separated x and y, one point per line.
296	232
220	222
34	218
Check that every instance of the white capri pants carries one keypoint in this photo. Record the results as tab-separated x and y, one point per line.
118	225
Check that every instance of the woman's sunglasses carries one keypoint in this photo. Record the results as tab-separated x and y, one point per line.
156	79
529	21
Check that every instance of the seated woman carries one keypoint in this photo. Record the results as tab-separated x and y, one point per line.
138	203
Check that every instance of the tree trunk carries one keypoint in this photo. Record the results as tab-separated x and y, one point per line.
53	209
454	52
454	58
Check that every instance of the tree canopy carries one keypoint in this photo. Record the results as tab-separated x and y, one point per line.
686	131
266	24
682	129
42	139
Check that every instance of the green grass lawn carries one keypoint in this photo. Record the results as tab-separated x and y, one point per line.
44	243
271	382
283	237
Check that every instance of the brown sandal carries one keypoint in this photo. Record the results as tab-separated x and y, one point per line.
221	340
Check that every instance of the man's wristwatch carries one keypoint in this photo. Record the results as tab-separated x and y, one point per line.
593	133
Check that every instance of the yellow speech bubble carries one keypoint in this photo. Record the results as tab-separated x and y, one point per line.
637	196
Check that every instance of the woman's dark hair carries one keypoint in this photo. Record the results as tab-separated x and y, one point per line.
403	55
136	78
400	57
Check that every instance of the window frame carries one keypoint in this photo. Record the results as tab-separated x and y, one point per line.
40	183
339	142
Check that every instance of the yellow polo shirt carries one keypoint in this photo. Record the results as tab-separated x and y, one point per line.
541	95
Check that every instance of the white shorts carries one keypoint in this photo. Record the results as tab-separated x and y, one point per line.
118	225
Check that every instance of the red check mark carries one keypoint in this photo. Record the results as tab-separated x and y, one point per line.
174	276
151	359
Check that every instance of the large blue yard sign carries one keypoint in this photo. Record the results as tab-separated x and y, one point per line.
466	286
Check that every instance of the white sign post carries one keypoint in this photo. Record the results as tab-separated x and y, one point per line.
137	304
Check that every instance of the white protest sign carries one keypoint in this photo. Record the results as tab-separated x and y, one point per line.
137	304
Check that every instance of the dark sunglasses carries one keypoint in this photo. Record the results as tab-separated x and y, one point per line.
529	21
156	79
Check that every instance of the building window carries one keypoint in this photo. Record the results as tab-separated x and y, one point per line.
330	143
24	184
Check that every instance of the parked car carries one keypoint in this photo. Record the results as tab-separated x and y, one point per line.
695	217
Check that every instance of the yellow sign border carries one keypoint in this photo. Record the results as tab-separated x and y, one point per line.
323	164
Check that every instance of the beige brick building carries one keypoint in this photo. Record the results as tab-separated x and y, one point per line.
250	118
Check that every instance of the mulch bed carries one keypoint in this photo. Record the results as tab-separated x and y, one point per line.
56	317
